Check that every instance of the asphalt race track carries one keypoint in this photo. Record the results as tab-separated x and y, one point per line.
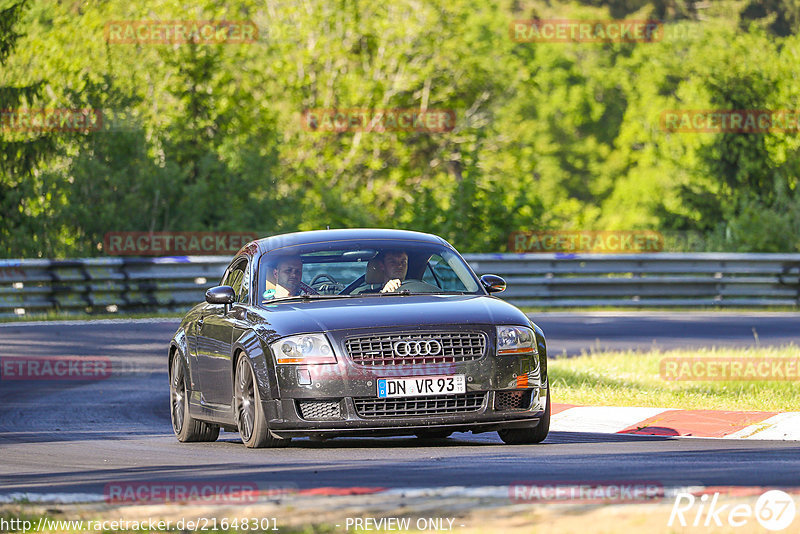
78	436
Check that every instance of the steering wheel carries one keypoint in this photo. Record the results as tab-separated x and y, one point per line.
415	286
367	288
323	276
412	285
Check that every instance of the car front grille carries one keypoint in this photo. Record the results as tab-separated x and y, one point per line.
433	405
512	400
381	350
319	410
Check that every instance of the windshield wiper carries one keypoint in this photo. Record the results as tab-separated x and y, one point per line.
388	293
307	297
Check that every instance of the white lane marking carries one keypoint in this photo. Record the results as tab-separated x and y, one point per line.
603	419
61	498
451	491
91	321
783	426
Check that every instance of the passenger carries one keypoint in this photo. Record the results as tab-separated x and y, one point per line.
288	279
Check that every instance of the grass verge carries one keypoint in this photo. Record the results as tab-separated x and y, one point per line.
633	378
644	310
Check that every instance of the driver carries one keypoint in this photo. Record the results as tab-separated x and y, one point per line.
393	265
288	277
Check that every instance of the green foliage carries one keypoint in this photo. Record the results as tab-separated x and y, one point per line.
548	135
20	151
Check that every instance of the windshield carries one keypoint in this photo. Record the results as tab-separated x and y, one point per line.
362	269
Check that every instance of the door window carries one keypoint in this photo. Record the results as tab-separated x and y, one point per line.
238	278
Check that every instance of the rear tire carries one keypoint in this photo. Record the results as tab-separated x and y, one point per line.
186	427
524	436
250	418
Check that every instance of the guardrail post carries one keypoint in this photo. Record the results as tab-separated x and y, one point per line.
787	271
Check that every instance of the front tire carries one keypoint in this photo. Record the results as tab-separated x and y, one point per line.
186	427
524	436
250	418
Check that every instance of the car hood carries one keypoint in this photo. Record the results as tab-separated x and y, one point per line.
377	312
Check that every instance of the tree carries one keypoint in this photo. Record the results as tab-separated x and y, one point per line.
781	17
21	152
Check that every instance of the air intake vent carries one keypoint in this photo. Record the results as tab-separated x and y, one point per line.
512	400
319	410
434	405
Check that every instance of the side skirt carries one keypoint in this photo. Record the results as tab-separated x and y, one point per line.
219	414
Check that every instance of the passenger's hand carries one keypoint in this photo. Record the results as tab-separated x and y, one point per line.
391	285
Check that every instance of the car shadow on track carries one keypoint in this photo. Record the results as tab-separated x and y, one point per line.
460	439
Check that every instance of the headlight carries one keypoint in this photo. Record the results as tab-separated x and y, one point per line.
515	340
303	349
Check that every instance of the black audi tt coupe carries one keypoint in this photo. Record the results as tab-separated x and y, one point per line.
356	332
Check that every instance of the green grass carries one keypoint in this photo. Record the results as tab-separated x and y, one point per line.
631	378
657	309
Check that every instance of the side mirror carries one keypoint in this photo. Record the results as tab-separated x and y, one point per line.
493	283
220	295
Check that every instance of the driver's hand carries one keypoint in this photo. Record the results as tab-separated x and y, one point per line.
391	285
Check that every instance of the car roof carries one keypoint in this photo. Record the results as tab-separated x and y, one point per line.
268	244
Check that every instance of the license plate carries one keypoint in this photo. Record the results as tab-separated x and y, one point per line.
419	386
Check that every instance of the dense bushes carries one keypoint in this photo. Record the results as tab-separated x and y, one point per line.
548	135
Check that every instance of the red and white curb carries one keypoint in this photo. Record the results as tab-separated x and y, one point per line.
487	494
674	422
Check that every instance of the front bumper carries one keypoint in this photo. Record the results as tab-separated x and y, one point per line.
286	418
506	391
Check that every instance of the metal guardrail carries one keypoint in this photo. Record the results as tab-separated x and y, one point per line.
642	280
106	284
538	280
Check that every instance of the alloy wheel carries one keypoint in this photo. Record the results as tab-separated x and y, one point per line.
178	393
245	399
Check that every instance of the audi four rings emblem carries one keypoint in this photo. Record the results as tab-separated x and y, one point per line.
429	347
